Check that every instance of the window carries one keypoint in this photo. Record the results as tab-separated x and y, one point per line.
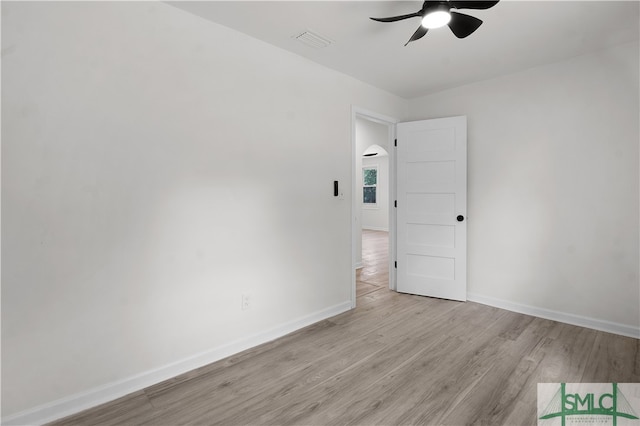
369	185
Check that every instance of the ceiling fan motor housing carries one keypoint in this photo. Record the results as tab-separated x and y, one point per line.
435	14
435	6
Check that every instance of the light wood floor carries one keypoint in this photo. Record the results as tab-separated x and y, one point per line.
374	273
395	359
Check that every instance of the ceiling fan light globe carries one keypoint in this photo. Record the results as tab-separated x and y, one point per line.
436	19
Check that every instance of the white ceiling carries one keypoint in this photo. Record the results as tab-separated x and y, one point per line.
515	35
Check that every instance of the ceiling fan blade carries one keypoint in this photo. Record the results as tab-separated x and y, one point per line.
463	25
420	32
398	18
473	4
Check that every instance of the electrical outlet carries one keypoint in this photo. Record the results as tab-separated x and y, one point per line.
245	301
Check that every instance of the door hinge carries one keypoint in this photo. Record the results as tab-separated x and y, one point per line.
395	203
395	265
395	142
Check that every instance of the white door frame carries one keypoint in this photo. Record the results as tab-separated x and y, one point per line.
391	125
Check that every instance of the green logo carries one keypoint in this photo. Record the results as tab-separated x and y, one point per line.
613	404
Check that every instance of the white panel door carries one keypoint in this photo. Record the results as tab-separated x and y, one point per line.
432	208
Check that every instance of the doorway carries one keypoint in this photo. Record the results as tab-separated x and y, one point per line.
431	200
373	215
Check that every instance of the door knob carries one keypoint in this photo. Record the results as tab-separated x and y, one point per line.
460	218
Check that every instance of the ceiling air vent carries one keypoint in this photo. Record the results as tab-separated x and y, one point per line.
313	40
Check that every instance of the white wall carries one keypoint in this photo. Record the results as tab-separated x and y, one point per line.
553	184
377	218
154	167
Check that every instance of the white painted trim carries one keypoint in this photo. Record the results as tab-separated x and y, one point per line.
375	228
373	116
593	323
75	403
392	210
358	265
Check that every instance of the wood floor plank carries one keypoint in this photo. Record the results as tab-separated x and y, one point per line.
363	288
421	394
319	404
375	259
517	386
561	357
611	358
249	393
127	410
289	386
492	401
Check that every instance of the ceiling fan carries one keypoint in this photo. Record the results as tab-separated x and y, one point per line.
436	14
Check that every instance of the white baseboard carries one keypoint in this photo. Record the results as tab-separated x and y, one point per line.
358	265
594	323
81	401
